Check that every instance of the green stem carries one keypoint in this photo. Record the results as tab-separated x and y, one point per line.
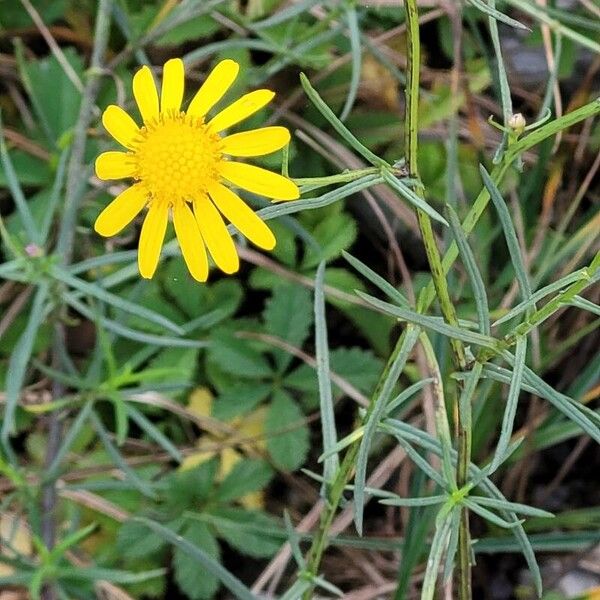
344	177
439	282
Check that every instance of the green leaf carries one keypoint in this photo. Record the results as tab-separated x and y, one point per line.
510	234
202	558
189	487
288	315
53	94
355	48
331	463
251	532
23	208
194	29
337	124
249	475
19	359
374	415
191	577
237	357
239	399
510	410
334	234
134	540
289	449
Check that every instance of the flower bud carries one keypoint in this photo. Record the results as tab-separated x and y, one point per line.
517	123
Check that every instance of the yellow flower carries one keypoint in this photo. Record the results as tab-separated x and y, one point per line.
180	163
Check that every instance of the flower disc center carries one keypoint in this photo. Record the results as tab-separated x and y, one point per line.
177	158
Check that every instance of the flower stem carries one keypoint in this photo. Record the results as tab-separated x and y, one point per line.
439	280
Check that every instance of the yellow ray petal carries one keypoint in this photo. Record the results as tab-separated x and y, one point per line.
259	181
214	88
120	125
121	211
114	165
146	96
151	238
215	234
171	93
190	240
241	109
242	216
256	142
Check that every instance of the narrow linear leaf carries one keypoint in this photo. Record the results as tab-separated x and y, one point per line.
585	304
144	487
515	507
19	359
72	432
411	197
377	280
479	293
439	543
286	14
153	432
377	409
510	234
356	56
331	463
427	322
428	501
541	293
497	15
407	394
288	208
55	195
116	301
127	332
343	131
14	186
488	515
512	400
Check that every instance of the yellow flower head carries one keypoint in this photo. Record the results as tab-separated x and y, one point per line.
180	164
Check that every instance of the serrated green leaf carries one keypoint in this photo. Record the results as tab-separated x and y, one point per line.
135	540
249	475
237	357
334	235
288	315
248	531
191	577
289	449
